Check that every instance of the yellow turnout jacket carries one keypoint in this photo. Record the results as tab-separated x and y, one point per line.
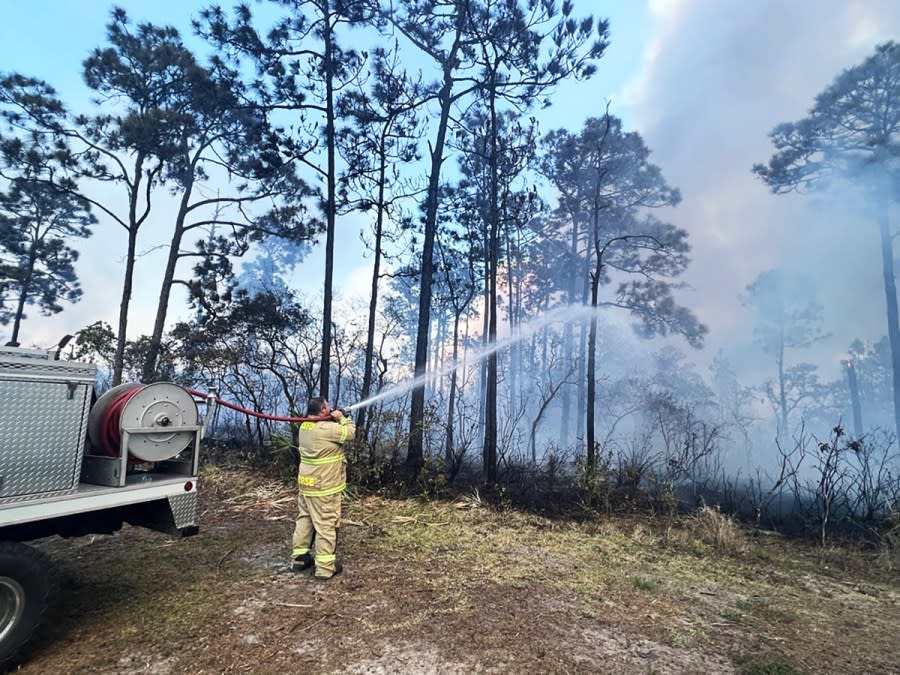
323	468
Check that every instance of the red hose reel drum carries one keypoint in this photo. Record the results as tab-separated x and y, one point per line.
132	407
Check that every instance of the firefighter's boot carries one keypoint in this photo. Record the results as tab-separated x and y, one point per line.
302	562
338	568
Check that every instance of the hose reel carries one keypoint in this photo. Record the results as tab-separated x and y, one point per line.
154	417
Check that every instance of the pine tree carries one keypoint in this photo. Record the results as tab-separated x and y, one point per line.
37	221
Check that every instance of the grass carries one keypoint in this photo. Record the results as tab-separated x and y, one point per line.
701	584
707	571
708	528
767	610
644	584
768	665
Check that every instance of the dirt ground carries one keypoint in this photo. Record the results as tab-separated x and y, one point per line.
438	587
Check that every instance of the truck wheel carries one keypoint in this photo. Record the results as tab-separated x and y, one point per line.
25	589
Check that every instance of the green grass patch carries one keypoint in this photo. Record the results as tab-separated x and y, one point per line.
644	584
768	665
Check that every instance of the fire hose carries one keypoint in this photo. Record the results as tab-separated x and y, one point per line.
110	436
265	416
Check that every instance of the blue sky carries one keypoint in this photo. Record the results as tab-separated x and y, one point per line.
52	37
74	28
704	81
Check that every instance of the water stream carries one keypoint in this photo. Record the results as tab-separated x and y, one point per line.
564	314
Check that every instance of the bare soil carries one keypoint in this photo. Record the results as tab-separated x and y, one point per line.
438	587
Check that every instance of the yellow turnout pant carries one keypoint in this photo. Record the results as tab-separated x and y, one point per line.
319	516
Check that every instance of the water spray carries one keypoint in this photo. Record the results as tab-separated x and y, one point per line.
564	314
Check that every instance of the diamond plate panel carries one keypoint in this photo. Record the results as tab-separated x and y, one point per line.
42	430
184	509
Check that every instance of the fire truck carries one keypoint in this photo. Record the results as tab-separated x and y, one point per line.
73	463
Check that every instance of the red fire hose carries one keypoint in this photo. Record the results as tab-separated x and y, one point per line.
253	413
110	437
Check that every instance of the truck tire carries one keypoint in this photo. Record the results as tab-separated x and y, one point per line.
26	585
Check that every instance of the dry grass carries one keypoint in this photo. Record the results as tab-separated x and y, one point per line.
710	527
889	546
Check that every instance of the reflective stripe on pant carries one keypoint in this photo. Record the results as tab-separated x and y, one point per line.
322	516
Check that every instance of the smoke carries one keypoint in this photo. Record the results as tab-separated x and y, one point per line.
716	79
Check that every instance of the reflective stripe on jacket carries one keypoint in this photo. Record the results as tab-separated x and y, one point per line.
323	468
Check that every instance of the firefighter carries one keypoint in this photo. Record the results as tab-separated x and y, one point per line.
322	479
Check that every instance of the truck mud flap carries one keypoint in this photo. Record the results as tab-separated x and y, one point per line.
177	515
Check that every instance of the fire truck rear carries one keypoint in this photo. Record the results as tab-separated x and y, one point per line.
73	464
